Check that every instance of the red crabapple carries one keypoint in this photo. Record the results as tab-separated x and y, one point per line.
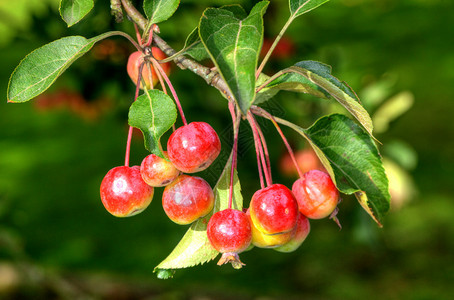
156	171
193	147
316	194
124	193
302	229
263	240
187	198
274	209
134	61
229	232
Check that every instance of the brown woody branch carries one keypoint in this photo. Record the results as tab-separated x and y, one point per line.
213	78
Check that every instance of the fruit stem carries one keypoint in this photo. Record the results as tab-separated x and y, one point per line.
136	95
172	90
150	37
138	36
270	51
236	126
284	139
259	150
265	146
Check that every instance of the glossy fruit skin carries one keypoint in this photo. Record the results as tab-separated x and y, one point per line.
157	172
124	193
193	147
187	198
274	209
302	230
263	240
229	230
133	66
316	194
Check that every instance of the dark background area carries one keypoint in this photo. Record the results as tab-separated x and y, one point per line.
57	241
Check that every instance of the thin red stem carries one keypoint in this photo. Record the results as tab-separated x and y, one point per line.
138	36
172	90
236	124
136	95
284	139
265	147
262	182
260	149
150	37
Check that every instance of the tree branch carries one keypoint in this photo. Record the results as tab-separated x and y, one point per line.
211	77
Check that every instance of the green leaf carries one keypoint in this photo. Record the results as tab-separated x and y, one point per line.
160	10
299	7
234	45
292	82
72	11
320	75
194	46
350	156
39	69
153	113
195	248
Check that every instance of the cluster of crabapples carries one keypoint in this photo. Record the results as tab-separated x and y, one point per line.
277	217
127	191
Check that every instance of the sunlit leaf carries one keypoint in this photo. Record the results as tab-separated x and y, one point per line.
193	45
160	10
292	82
72	11
195	248
299	7
153	113
234	45
39	69
320	75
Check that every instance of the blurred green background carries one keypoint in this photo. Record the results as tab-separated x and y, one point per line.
58	242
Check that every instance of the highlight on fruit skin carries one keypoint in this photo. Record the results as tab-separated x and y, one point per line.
124	193
274	209
157	171
187	199
316	194
229	232
137	58
193	147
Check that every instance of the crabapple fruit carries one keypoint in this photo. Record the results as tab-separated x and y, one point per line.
302	229
124	193
187	198
263	240
157	172
229	230
306	159
137	58
274	209
316	194
193	147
